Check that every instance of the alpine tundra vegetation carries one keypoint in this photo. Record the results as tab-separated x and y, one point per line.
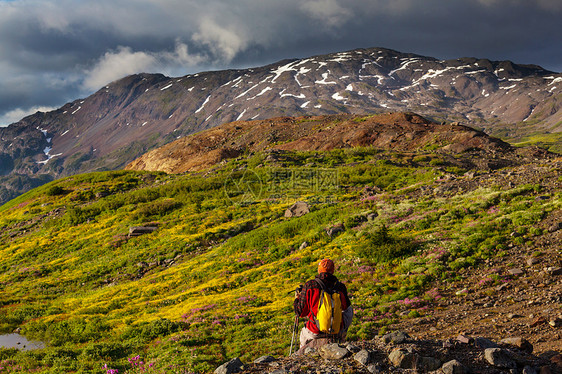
143	271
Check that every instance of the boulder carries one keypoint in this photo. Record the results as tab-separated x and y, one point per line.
232	366
519	343
333	352
264	360
403	358
336	229
363	357
454	367
396	337
428	363
300	208
500	358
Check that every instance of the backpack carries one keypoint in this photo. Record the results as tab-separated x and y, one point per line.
328	319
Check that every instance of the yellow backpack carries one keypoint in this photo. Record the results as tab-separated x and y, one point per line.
328	319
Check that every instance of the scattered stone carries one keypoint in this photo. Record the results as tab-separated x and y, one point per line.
333	352
300	208
309	350
454	367
363	357
529	370
465	339
374	368
264	360
303	245
141	230
515	272
372	216
232	366
279	371
532	261
554	270
462	292
428	363
484	343
519	343
513	316
555	322
336	229
538	321
403	358
500	358
396	337
555	227
352	347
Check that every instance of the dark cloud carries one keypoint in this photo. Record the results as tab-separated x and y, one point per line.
54	51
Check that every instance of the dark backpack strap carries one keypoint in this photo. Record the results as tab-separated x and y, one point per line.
323	286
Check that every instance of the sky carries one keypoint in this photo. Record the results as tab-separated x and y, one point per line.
56	51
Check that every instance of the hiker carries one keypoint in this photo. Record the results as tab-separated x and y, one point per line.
321	329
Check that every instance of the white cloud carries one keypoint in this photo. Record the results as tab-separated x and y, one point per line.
329	12
224	42
124	61
16	114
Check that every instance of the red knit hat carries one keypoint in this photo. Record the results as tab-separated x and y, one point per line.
326	266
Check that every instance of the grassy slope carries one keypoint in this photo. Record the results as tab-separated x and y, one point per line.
69	278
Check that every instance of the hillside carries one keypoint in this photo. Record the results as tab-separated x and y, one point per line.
404	132
128	117
187	271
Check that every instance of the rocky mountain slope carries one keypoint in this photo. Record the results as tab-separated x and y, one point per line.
133	115
395	131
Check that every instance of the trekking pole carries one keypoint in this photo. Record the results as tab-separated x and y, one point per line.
295	325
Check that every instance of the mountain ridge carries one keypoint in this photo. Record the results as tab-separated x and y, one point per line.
128	117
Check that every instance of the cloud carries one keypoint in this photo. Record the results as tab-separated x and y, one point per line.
54	51
124	61
222	41
15	115
328	12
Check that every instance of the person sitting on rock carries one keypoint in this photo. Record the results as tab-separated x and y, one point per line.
324	300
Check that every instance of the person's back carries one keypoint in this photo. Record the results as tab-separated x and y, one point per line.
308	304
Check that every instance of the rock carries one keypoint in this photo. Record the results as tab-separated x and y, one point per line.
363	357
337	228
532	261
454	367
538	321
515	272
352	347
303	245
264	360
279	371
141	230
529	370
462	292
428	363
555	227
519	343
396	337
372	216
300	208
554	270
375	368
499	358
557	360
555	322
403	358
232	366
333	352
465	339
309	350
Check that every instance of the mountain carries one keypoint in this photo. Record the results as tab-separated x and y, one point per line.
128	117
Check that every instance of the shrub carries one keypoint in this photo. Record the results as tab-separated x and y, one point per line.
55	191
381	246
